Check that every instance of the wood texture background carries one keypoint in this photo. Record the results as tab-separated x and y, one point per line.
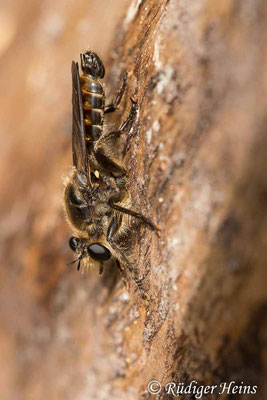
197	165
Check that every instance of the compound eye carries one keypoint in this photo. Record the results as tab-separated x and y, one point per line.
73	242
98	252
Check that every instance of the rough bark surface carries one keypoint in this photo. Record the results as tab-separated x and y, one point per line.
196	158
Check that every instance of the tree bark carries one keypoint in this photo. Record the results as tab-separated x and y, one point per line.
196	160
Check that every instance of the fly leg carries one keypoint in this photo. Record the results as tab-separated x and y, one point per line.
123	276
113	106
135	214
128	123
102	146
112	235
108	164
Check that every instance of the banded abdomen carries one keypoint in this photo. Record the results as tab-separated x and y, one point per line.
93	106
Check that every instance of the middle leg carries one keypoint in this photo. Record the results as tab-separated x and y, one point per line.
135	214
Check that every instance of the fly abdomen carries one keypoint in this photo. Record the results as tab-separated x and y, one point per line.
93	107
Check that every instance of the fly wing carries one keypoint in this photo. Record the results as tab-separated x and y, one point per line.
80	160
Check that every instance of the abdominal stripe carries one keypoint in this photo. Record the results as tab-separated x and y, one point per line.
87	93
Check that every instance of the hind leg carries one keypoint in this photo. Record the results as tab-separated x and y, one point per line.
113	106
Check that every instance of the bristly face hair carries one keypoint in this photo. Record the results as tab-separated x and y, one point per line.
95	195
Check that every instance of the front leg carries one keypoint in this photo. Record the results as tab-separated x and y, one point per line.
112	235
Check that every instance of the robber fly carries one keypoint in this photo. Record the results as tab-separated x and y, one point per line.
95	195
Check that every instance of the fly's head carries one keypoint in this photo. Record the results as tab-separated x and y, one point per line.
92	65
96	251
